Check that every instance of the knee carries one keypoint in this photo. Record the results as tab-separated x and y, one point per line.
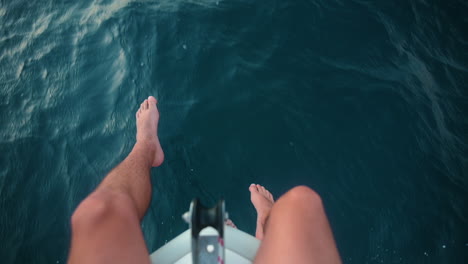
98	209
303	195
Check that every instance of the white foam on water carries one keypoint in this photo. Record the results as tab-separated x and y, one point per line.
120	64
17	49
44	74
65	16
41	25
19	70
44	50
97	13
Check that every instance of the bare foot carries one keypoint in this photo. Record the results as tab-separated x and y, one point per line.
263	201
147	128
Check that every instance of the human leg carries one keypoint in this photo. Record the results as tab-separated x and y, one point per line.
106	225
297	231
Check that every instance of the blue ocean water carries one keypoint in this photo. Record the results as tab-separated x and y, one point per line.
364	101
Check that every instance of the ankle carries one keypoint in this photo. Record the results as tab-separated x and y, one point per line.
146	149
259	232
261	219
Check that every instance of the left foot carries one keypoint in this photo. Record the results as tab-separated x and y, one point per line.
263	202
147	128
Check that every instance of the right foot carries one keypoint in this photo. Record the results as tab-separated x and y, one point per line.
147	129
263	202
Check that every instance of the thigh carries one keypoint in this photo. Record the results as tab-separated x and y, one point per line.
107	230
297	231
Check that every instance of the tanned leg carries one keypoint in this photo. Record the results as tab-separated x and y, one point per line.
295	229
106	225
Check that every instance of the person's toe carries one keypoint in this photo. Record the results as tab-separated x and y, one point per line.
152	100
230	223
253	188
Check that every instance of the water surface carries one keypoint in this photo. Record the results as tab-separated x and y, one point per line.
364	101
